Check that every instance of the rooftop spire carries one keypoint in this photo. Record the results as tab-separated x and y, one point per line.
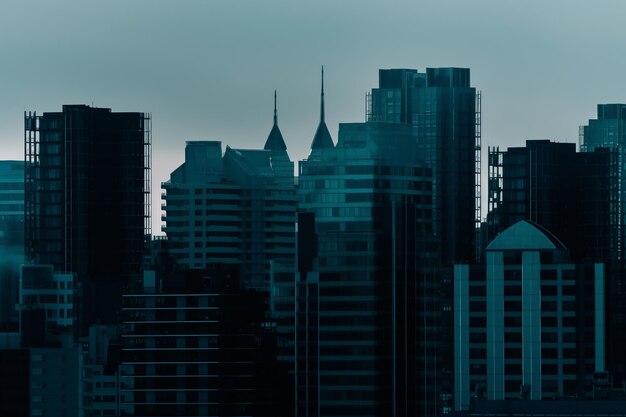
275	141
275	112
322	102
322	137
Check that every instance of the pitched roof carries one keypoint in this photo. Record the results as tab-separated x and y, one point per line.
322	139
275	141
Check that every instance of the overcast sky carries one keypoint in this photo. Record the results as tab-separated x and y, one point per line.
206	70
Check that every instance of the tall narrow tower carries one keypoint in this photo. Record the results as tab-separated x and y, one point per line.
87	202
442	109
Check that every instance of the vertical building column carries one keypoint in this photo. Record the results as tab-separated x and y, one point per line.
531	323
495	325
599	316
461	338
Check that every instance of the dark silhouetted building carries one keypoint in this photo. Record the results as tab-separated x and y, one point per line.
197	344
608	131
443	113
551	184
367	211
87	197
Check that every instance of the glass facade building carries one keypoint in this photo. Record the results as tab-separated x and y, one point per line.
11	236
357	324
443	113
608	130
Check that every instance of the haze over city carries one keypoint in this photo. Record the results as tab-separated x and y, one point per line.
206	70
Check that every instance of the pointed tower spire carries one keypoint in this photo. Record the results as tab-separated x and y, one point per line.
322	138
275	112
275	141
322	101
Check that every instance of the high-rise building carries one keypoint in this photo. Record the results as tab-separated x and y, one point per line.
528	323
11	236
357	316
87	198
235	207
443	112
608	130
551	184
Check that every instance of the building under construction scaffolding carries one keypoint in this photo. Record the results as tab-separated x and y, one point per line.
87	201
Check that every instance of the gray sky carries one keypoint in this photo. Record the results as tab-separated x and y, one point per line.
206	70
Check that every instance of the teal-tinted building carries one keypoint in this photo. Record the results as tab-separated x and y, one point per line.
528	323
442	110
357	321
235	206
608	130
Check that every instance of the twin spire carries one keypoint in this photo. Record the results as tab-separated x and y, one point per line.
321	140
275	141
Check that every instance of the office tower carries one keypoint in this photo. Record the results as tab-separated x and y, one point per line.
197	344
357	333
443	111
11	235
87	197
235	207
528	323
551	184
607	131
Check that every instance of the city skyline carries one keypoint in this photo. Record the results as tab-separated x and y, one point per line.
208	70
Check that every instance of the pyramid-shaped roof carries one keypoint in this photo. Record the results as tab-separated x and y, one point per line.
275	141
322	139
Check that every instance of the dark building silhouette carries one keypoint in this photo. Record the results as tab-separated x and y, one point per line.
367	214
197	344
15	382
443	112
87	192
551	184
608	131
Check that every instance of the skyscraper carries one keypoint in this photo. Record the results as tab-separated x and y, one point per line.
608	130
357	331
87	197
443	112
